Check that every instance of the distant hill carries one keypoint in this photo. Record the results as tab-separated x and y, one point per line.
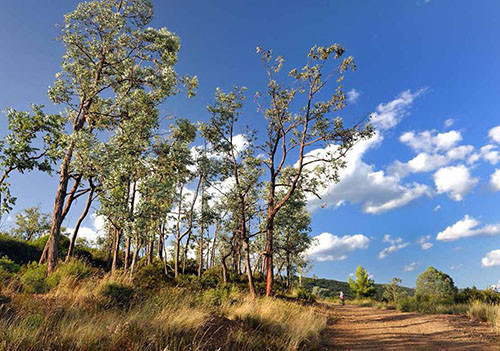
334	287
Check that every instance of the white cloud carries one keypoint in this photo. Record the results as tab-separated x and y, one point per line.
329	247
449	122
467	227
495	180
488	153
455	181
437	208
494	134
491	259
353	95
459	152
361	183
411	266
388	115
427	141
395	245
424	242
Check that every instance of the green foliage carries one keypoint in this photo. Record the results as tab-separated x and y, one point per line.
18	250
34	278
221	295
305	294
34	142
435	285
7	269
468	295
363	286
150	277
30	223
393	292
71	272
117	295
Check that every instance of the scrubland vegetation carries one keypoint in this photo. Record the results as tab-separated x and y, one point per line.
79	307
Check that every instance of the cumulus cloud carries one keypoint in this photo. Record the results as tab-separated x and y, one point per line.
429	140
389	114
395	245
424	242
491	259
329	247
488	153
495	180
494	134
437	208
455	181
362	183
467	227
411	266
353	96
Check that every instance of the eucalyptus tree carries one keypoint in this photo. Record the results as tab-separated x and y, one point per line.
31	223
292	225
298	121
240	168
111	55
33	142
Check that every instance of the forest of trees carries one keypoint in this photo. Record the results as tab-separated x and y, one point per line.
220	191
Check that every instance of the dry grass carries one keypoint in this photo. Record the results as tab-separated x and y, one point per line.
77	315
484	312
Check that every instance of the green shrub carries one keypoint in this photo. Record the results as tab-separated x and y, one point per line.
305	295
407	304
211	278
150	277
18	250
221	295
117	295
8	265
34	278
74	270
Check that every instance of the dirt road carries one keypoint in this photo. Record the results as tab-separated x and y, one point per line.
365	328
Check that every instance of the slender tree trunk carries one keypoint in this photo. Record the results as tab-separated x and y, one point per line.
116	249
200	251
176	258
288	271
127	254
224	268
135	254
78	223
151	245
269	256
55	229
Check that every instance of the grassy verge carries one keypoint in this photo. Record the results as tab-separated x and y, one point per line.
83	310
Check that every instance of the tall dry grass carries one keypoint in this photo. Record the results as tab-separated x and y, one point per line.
484	312
109	313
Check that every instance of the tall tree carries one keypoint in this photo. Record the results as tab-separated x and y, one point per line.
240	166
111	57
298	121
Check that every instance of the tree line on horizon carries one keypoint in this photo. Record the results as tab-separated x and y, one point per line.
219	188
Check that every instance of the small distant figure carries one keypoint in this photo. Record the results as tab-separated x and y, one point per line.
341	295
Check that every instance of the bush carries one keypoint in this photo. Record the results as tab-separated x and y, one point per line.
116	294
150	277
305	295
18	250
74	270
7	269
219	296
435	287
407	304
211	278
34	278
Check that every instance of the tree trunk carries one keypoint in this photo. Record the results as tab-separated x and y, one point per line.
224	268
55	229
269	257
134	256
200	251
151	245
288	271
79	222
127	254
176	258
116	249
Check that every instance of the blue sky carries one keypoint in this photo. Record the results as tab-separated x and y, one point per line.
420	63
